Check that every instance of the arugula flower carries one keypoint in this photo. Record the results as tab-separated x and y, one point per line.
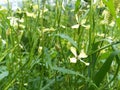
78	57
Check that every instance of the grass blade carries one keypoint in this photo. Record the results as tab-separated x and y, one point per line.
105	68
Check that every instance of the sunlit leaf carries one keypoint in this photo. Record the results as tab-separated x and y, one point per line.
111	7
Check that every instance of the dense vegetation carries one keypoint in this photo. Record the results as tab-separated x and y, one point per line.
60	46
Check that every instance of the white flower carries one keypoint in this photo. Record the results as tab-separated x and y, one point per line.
73	60
75	26
82	54
78	57
13	21
73	50
4	42
40	49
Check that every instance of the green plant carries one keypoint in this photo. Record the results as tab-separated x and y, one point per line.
60	47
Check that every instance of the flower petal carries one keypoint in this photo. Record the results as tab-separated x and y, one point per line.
73	50
73	60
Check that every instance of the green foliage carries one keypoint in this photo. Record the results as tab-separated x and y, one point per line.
77	6
68	39
105	68
60	47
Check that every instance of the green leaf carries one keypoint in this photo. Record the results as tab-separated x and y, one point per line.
64	36
77	6
51	82
67	71
95	55
4	54
118	21
110	5
47	58
3	72
105	68
115	48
